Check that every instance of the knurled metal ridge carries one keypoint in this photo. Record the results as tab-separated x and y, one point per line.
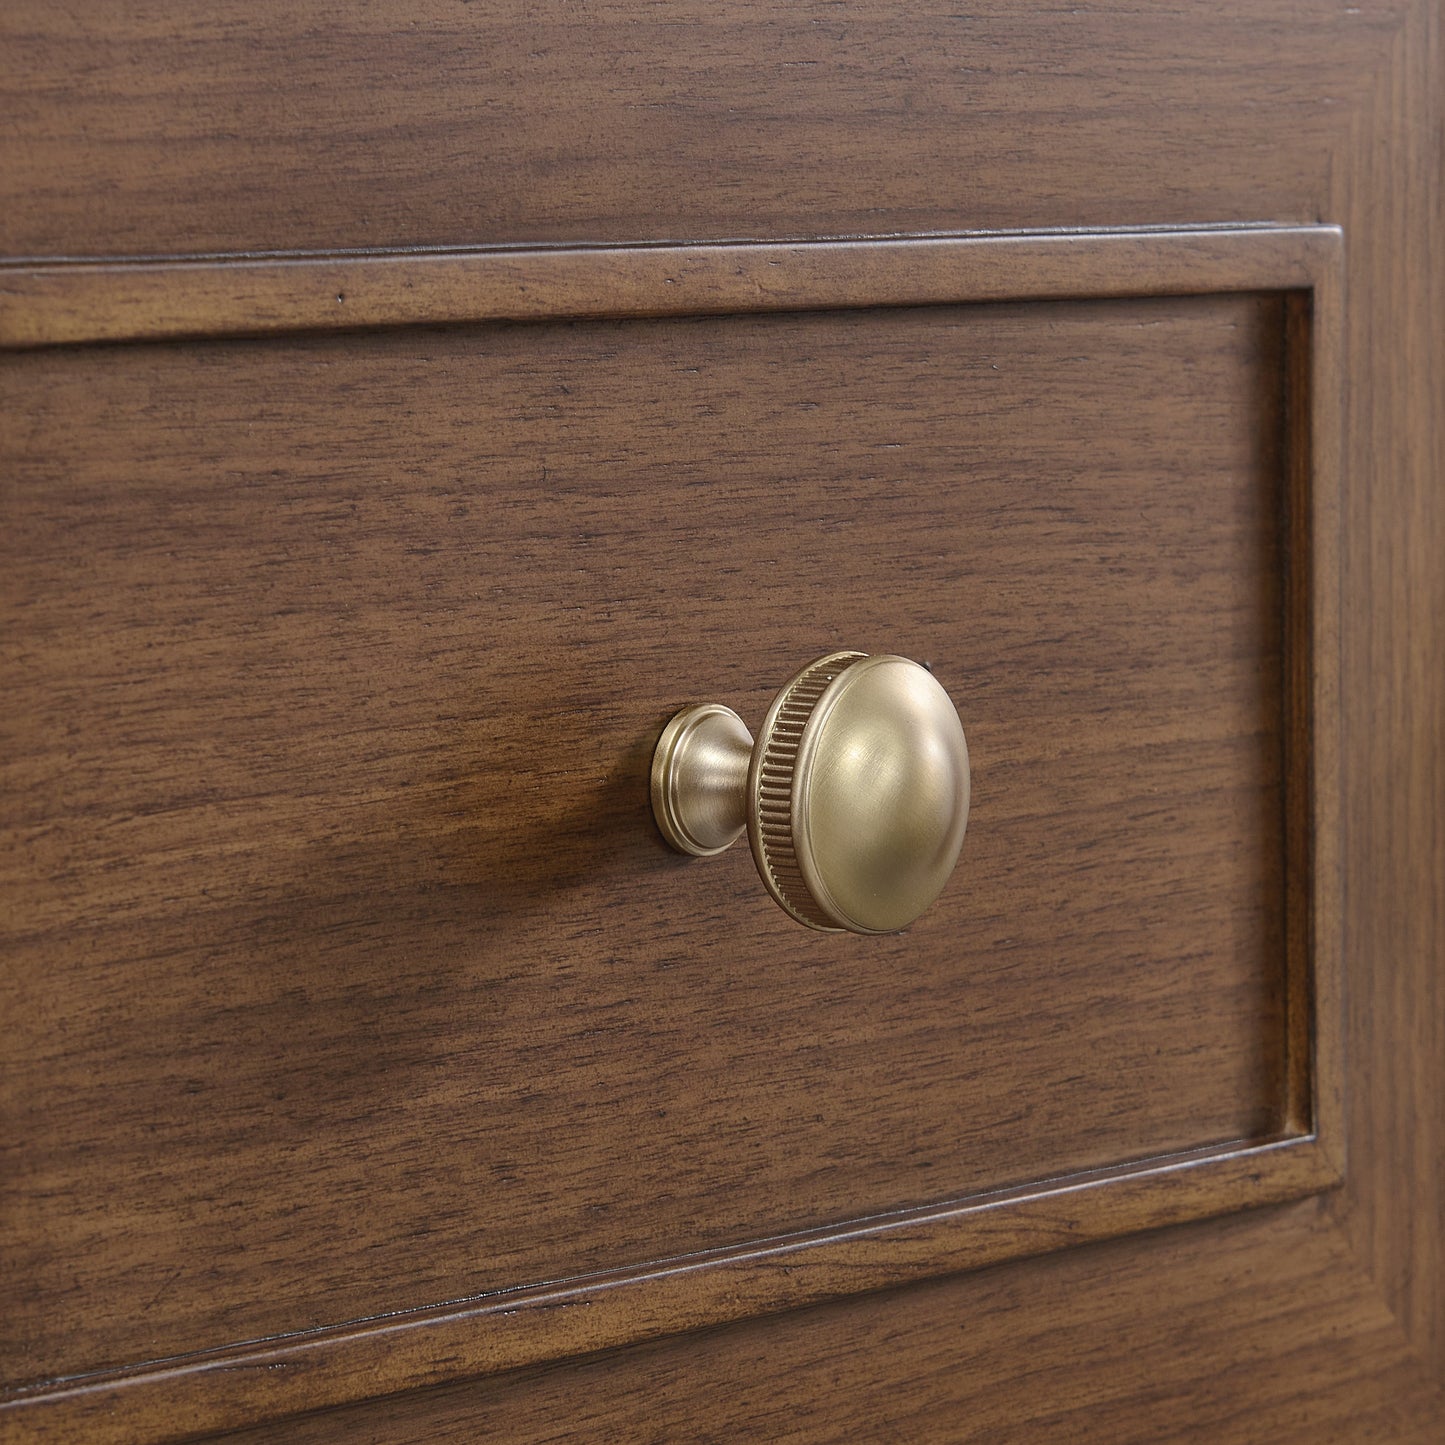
773	792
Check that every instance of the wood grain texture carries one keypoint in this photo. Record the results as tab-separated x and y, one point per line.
73	303
1390	183
329	840
129	130
172	1400
1314	924
234	126
1257	1328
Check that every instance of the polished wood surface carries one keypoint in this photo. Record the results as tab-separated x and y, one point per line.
239	125
130	134
259	1044
273	1380
1390	190
1269	1331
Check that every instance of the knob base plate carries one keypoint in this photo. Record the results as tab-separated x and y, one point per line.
699	779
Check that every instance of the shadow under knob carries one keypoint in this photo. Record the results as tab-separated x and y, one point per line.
854	796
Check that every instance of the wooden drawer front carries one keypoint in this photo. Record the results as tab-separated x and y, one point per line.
350	975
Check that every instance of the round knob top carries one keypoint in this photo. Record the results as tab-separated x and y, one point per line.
854	797
858	793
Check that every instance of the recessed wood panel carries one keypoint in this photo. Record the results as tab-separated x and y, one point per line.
349	974
223	130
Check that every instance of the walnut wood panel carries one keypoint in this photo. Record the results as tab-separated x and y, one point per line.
142	131
1389	183
174	1399
1258	1328
346	955
244	124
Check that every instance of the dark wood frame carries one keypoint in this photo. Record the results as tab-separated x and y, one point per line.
80	303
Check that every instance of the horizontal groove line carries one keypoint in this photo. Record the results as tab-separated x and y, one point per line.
269	1380
97	300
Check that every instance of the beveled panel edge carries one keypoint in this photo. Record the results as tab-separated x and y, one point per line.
76	302
1314	793
1314	966
181	1399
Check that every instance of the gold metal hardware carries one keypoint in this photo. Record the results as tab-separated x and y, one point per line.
854	796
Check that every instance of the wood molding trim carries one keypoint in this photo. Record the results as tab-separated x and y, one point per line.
1388	186
68	303
172	1400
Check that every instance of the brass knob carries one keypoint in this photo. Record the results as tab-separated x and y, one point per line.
854	796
